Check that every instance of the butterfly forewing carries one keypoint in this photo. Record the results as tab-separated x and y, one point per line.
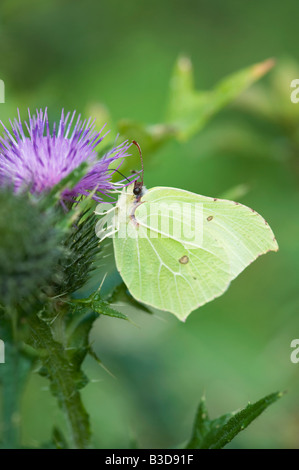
241	231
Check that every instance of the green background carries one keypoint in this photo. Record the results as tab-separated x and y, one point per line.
114	60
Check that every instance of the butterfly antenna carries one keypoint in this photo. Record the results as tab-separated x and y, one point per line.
139	149
114	169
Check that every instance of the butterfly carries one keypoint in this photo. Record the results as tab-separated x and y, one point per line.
176	250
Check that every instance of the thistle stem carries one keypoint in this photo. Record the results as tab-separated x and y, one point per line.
63	386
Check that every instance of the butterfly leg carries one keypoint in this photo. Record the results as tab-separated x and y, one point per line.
132	215
102	234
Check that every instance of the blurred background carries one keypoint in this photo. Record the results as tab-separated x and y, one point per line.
113	60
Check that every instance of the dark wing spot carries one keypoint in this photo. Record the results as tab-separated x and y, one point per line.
184	259
210	218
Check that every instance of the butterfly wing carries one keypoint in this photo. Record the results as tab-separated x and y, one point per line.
156	272
170	261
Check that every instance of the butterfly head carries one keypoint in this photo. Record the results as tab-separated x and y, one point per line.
138	190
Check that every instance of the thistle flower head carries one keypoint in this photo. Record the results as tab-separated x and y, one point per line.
36	158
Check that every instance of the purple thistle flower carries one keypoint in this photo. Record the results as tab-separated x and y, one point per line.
42	159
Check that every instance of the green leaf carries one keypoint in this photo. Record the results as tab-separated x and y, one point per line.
189	109
217	433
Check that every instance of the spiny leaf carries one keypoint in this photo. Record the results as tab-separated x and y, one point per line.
100	306
103	308
217	433
241	420
201	425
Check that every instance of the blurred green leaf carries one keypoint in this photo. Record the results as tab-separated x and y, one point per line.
189	110
273	100
217	433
